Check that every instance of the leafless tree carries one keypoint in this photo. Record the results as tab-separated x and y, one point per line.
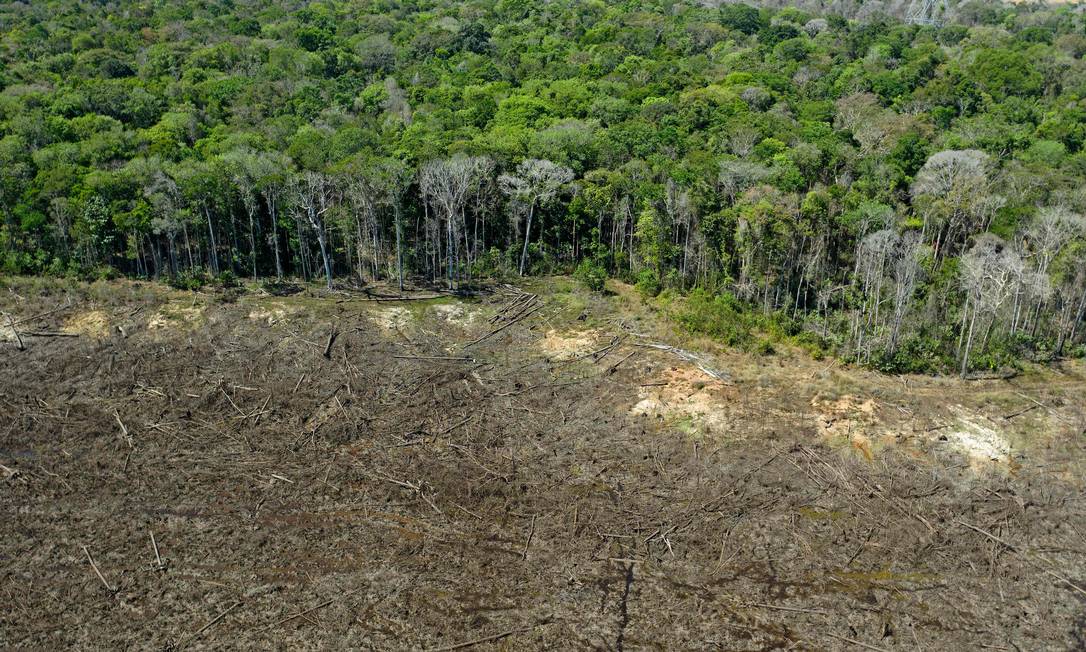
907	270
535	183
742	139
738	176
988	273
165	199
446	184
682	215
242	166
272	174
874	256
315	196
953	192
1050	231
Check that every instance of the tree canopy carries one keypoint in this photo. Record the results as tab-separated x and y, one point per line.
909	195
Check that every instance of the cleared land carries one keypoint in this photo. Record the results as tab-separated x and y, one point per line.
525	468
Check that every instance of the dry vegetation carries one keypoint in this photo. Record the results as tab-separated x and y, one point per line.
511	471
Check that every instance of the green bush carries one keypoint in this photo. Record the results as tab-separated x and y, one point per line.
719	316
648	283
189	280
227	279
916	355
591	275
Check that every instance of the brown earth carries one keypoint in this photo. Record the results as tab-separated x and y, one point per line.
556	485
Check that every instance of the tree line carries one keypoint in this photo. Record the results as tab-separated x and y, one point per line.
908	196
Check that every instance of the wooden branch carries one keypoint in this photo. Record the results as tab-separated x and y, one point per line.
159	565
18	339
779	607
866	646
485	639
98	572
422	298
209	625
300	614
1020	412
498	330
331	340
528	542
44	314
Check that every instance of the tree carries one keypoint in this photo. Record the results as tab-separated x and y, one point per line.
738	176
953	193
446	184
535	183
314	194
907	271
394	178
988	272
243	166
272	176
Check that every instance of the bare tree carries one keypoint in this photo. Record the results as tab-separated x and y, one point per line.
535	183
1050	231
272	173
242	166
165	199
988	274
314	193
680	209
907	270
953	192
875	253
742	139
446	184
738	176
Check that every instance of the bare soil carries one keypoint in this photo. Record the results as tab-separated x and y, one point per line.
511	471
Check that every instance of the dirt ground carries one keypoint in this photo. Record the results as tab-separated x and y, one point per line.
532	468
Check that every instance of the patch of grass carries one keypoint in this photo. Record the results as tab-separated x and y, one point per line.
728	320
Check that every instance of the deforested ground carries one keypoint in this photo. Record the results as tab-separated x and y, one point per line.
529	467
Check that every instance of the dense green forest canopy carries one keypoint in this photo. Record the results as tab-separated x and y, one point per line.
909	196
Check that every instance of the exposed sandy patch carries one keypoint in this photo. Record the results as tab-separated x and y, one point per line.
393	318
270	314
93	323
848	418
7	333
175	315
569	345
978	438
456	314
686	393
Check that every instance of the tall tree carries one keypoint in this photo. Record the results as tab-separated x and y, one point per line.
535	183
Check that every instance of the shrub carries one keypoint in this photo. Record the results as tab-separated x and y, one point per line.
648	283
718	316
188	280
227	279
591	275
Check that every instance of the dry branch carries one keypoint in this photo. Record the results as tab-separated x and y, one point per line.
507	325
98	572
331	340
211	623
18	338
50	334
485	639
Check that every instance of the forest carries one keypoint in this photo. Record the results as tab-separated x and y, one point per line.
906	196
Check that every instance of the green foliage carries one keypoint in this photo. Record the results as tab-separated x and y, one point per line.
741	151
591	274
648	283
719	316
